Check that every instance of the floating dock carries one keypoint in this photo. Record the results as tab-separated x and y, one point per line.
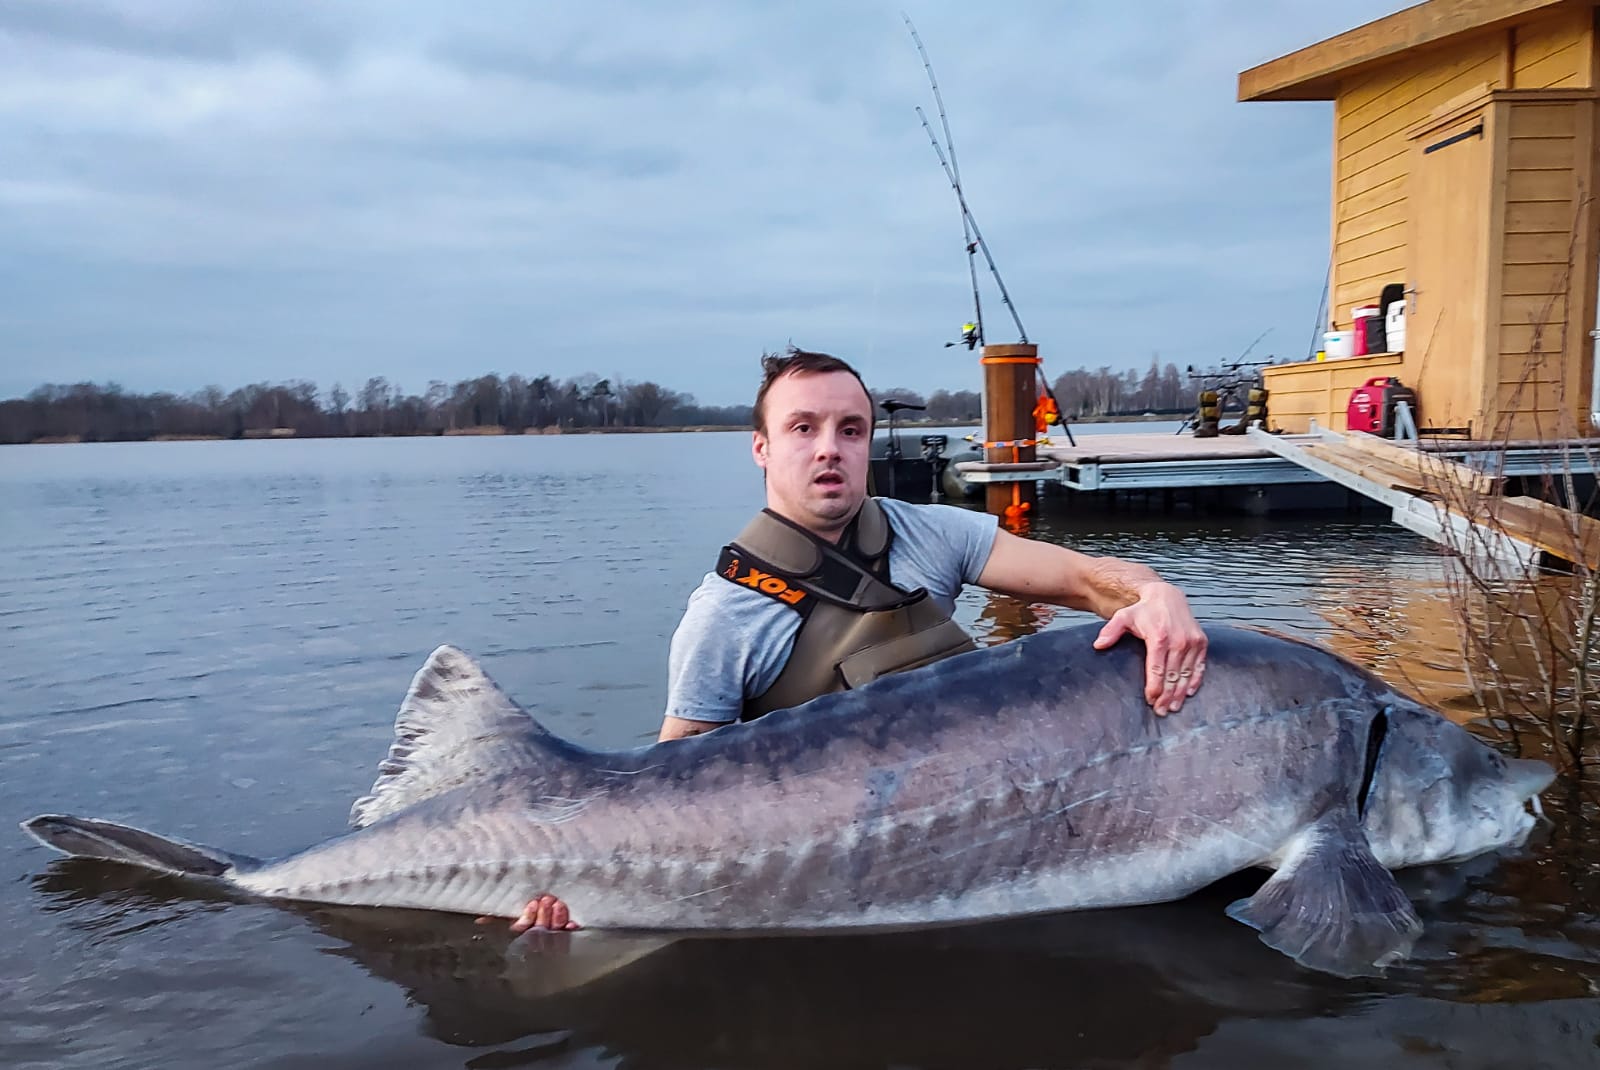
1451	491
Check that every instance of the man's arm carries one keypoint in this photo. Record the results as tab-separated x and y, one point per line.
1132	598
682	728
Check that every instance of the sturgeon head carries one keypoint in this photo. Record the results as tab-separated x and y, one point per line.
1438	794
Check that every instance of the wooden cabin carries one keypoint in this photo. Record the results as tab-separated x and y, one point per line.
1464	168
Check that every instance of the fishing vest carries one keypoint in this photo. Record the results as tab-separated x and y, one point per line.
855	625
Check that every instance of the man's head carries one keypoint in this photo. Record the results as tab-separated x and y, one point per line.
813	420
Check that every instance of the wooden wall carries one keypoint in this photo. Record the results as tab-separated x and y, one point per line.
1553	53
1320	390
1373	112
1370	168
1536	374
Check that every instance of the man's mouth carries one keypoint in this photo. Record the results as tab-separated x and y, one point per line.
829	479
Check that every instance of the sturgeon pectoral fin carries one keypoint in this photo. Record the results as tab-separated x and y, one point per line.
540	963
1331	906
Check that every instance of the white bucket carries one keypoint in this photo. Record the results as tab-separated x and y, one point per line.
1394	327
1339	344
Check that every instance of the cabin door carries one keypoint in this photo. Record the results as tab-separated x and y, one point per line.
1448	203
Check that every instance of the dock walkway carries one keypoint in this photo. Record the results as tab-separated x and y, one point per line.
1446	490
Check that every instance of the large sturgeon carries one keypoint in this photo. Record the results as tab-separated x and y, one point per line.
1017	780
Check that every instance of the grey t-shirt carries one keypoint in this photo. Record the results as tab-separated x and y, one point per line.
733	642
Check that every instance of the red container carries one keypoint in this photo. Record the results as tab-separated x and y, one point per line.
1360	313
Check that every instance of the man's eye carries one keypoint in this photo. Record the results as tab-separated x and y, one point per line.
802	428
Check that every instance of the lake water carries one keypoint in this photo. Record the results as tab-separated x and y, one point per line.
210	640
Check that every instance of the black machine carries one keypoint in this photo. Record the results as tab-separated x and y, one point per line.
896	474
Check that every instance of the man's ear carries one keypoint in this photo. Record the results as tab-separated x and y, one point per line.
758	449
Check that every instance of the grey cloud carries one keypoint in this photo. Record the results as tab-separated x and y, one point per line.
190	31
245	192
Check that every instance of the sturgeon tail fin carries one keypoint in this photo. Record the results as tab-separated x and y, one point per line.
1332	906
83	837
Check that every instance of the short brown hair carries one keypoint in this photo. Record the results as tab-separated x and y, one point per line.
794	361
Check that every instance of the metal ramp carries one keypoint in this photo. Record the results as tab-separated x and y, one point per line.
1451	503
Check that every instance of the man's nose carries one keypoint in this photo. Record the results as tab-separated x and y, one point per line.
828	445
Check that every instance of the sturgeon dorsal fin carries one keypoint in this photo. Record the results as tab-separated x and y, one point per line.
454	726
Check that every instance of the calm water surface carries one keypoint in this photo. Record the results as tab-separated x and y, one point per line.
210	639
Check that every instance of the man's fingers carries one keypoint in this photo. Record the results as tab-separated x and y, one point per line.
1194	667
1156	684
1189	658
543	912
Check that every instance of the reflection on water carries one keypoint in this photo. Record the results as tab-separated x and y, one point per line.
210	639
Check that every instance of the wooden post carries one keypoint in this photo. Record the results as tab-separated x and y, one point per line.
1010	391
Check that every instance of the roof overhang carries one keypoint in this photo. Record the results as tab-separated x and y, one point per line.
1314	72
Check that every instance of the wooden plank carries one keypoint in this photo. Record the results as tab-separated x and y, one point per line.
1524	338
1535	397
1466	493
1312	72
1540	154
1435	77
1351	184
1404	79
1412	77
1563	533
1542	120
1539	217
1428	466
1358	161
1392	191
1529	280
1531	187
1533	309
1392	114
1556	71
1368	468
1537	249
1377	265
1487	357
1358	226
1390	237
1550	33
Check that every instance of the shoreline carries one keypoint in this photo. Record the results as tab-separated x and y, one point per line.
495	431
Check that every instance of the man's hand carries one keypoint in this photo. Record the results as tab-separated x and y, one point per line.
542	912
1175	647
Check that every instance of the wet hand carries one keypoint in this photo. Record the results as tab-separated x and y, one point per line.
542	912
1175	645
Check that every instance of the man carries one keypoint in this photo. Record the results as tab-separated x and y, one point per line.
828	588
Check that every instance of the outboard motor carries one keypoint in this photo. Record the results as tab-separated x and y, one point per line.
897	475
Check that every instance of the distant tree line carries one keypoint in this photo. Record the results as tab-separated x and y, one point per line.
91	412
1085	394
1081	393
94	413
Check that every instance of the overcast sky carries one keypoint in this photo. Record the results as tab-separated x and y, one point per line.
199	192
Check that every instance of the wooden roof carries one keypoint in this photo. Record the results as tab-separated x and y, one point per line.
1314	72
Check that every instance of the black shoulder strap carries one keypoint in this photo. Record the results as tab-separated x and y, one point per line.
737	566
832	574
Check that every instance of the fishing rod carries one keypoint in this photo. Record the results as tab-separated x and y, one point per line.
953	172
969	224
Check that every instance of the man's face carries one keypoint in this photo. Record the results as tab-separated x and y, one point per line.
816	449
